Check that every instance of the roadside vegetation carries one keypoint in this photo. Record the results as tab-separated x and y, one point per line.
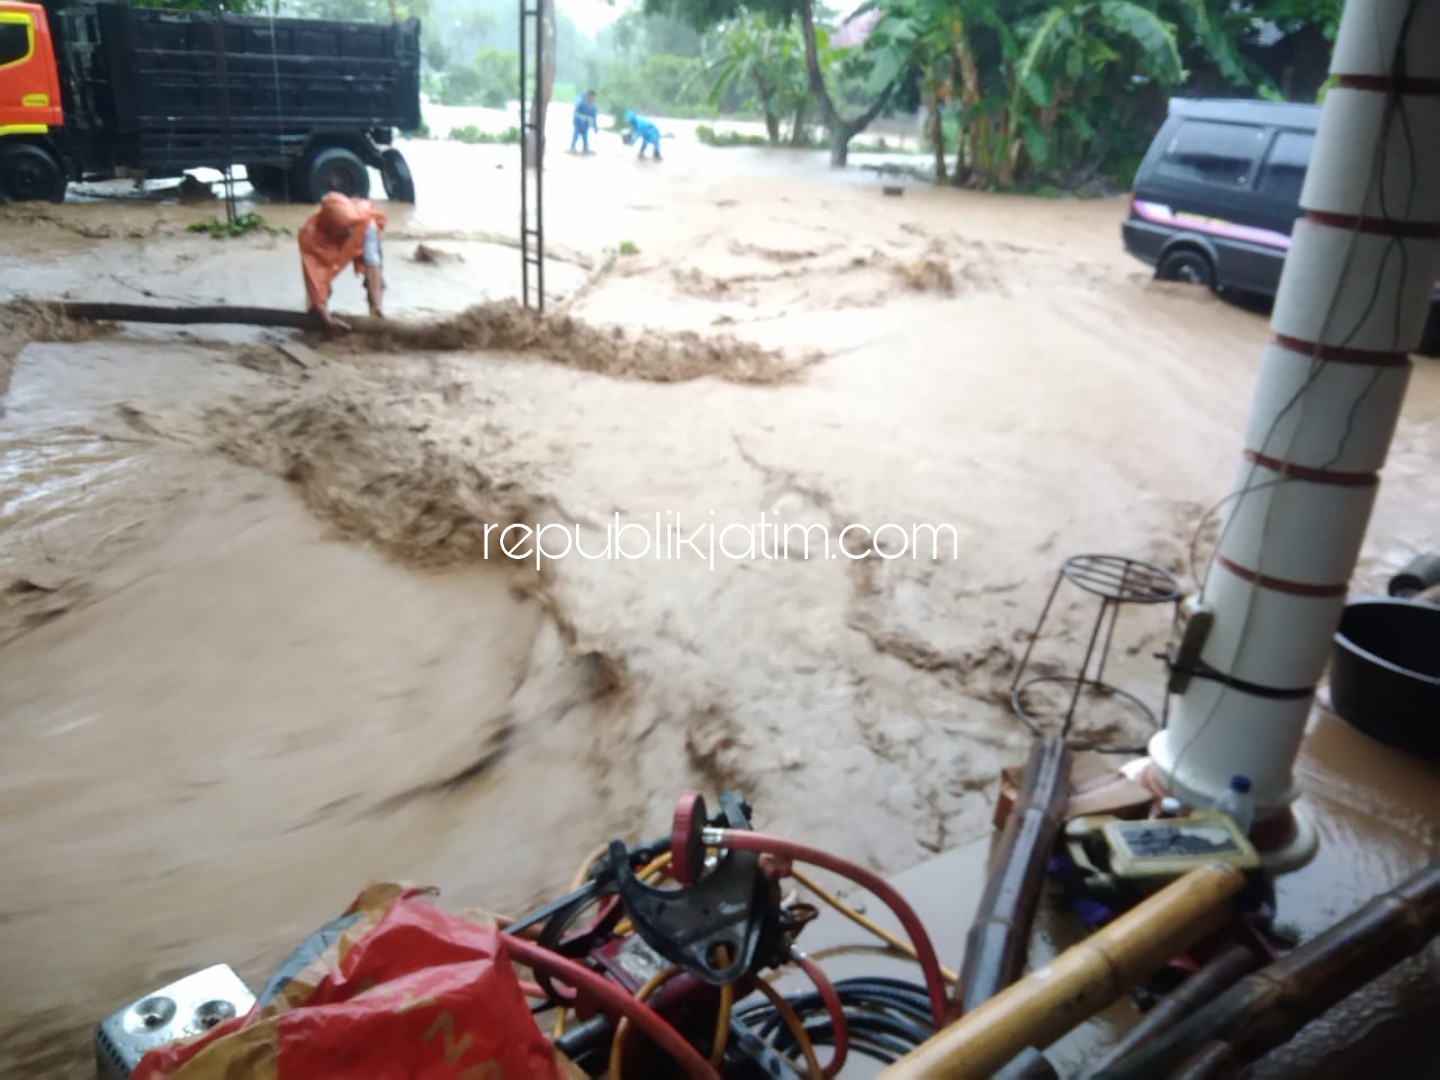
1021	95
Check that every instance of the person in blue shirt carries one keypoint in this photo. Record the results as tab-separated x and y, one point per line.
586	118
645	131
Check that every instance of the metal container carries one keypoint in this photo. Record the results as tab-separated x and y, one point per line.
186	1008
1385	672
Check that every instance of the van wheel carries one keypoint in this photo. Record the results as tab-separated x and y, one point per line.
30	173
1189	266
334	169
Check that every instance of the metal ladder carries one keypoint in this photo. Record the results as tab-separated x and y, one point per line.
532	133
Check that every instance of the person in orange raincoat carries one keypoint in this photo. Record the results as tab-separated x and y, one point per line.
343	231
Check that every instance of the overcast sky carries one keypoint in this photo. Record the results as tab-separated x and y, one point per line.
590	15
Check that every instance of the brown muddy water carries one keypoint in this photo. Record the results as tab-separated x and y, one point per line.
252	653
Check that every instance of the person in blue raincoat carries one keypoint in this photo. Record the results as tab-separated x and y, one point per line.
645	131
586	119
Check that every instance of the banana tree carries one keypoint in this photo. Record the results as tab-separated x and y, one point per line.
1077	55
962	51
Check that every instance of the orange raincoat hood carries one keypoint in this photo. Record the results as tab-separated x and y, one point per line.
333	236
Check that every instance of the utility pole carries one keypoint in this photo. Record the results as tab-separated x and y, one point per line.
1352	303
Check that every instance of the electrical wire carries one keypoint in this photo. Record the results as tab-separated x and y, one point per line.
721	1038
583	872
614	1000
840	1029
797	1029
885	1019
745	840
622	1030
899	944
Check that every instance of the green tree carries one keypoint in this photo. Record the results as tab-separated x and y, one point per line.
499	76
758	54
461	86
827	69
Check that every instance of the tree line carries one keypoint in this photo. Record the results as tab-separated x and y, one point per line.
1014	93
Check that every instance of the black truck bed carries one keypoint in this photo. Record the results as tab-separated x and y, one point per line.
152	83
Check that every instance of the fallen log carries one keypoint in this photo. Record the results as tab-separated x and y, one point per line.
155	313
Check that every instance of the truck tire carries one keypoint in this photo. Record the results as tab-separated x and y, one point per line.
1430	337
30	173
395	171
272	181
332	169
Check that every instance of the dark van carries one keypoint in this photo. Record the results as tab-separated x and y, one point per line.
1218	193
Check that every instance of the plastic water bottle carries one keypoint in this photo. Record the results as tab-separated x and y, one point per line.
1237	803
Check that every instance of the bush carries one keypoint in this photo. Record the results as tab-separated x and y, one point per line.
245	223
421	132
472	135
493	80
665	85
499	77
710	137
627	247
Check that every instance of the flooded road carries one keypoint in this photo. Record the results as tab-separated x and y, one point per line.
251	654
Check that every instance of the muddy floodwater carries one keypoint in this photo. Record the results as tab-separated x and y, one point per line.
253	653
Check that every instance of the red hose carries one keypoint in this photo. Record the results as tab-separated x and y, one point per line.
834	1007
744	840
615	1001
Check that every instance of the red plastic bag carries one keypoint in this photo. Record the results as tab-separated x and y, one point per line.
394	989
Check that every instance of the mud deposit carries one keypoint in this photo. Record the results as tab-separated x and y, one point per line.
254	650
676	356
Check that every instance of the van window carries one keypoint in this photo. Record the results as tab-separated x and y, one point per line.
1284	172
14	40
1209	153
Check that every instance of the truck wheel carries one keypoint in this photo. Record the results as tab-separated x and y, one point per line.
395	171
269	180
1187	265
1430	338
30	173
335	169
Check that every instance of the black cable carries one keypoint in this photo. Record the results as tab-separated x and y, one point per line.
885	1018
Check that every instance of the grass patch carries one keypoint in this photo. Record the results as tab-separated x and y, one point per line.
627	247
710	137
472	135
245	223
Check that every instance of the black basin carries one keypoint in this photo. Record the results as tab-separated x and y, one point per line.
1385	672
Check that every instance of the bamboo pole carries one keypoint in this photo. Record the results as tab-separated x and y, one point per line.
997	944
1079	982
1217	976
1267	1008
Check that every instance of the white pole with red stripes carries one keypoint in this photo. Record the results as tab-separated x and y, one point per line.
1353	299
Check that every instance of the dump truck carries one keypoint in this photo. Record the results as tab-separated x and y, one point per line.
94	91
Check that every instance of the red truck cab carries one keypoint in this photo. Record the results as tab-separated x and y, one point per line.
29	103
